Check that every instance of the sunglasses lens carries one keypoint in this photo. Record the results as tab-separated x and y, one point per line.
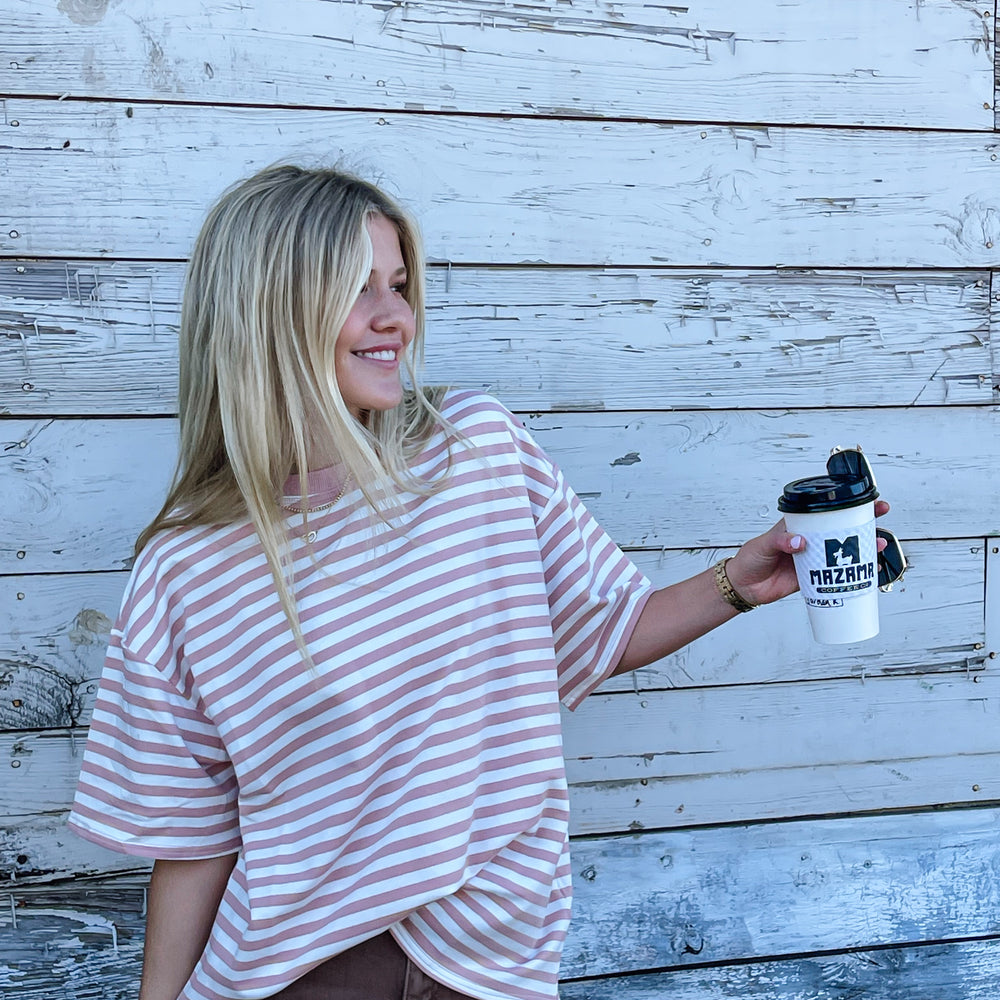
891	561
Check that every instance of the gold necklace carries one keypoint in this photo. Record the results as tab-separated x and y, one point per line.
322	506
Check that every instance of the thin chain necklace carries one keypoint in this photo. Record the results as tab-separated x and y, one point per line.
322	506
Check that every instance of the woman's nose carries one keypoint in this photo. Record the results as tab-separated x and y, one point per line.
392	312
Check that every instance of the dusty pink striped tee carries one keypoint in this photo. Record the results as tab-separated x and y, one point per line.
415	783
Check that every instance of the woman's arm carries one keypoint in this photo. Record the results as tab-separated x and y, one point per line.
761	572
183	899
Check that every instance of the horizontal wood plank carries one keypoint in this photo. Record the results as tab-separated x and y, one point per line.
687	495
705	896
77	492
968	969
39	849
667	759
789	61
110	180
86	337
54	629
55	475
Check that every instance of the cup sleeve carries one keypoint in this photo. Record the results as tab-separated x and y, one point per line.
156	780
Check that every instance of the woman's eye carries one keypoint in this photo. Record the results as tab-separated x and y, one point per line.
401	287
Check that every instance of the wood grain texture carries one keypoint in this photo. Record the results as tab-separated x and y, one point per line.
91	337
892	63
667	759
53	633
111	180
73	943
79	491
992	601
88	337
38	849
706	896
969	970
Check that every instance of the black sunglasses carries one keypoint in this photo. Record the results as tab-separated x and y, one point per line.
852	463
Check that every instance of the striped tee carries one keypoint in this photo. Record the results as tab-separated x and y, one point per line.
414	781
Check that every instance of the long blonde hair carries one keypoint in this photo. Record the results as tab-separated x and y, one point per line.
278	263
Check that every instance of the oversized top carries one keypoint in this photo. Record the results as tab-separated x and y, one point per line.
414	782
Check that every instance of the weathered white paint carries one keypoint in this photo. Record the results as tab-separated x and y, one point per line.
86	947
53	632
991	600
66	478
734	893
682	733
39	849
511	191
663	759
816	790
79	492
895	62
94	336
713	478
969	970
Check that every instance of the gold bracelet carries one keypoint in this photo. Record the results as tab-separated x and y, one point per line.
726	589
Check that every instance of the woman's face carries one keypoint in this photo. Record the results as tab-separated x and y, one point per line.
378	329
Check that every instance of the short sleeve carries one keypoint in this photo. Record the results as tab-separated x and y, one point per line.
156	780
595	592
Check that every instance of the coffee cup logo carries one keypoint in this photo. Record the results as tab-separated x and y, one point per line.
846	571
845	553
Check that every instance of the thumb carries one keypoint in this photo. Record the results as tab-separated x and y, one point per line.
792	543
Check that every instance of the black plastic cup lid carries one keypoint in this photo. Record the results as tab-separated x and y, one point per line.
823	493
849	482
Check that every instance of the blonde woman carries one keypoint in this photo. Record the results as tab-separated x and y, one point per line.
330	705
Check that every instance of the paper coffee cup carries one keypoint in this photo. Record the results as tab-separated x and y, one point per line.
838	569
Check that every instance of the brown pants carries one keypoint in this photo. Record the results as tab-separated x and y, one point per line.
373	970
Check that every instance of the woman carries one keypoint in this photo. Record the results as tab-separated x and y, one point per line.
330	706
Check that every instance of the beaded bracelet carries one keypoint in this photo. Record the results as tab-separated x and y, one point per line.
726	589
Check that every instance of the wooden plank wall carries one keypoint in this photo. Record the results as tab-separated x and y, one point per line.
695	245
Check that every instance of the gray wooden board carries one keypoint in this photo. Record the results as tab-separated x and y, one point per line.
954	971
660	900
773	60
40	849
667	759
665	900
85	337
54	629
96	179
77	492
63	949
